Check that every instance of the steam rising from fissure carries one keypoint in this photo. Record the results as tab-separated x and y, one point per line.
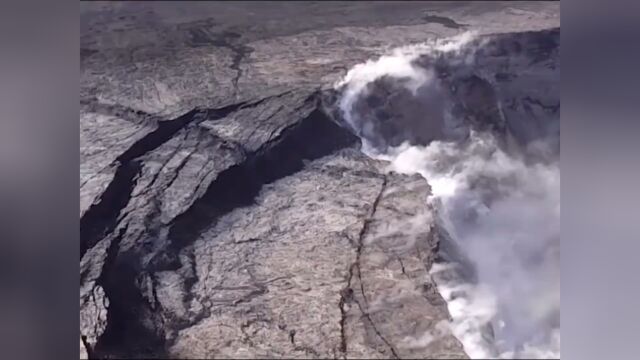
499	208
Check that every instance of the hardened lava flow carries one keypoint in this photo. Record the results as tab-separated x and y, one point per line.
242	197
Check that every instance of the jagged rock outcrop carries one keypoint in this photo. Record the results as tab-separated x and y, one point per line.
281	278
223	212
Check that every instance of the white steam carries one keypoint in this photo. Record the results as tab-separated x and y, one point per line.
504	215
397	64
501	212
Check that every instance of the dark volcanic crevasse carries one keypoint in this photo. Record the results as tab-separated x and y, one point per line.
311	138
130	315
127	333
101	218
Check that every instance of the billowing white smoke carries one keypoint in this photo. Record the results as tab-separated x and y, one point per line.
502	213
398	64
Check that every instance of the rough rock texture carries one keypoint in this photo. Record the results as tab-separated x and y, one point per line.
279	278
389	284
223	213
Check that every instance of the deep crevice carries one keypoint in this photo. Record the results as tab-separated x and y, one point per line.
123	338
134	328
127	332
101	217
313	137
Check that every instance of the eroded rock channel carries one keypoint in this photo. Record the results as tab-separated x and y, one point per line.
265	224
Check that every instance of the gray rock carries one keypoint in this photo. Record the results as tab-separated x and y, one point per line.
223	212
389	284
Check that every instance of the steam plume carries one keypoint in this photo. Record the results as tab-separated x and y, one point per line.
502	212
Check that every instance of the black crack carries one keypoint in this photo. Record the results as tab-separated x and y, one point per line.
347	294
102	216
134	326
313	137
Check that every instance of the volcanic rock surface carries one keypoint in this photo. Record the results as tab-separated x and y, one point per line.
227	211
